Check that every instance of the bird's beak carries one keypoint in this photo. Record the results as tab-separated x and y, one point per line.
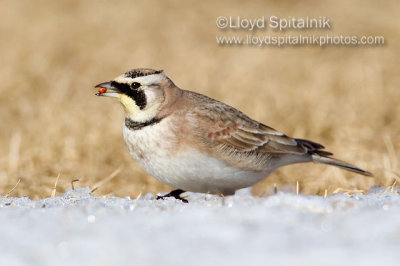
107	89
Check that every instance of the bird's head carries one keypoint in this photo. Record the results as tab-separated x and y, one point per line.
141	92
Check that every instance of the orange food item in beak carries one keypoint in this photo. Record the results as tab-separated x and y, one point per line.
102	90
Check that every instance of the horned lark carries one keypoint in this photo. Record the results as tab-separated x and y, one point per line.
194	143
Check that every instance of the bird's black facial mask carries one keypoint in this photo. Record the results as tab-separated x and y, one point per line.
132	91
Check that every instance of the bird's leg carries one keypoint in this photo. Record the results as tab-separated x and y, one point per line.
174	193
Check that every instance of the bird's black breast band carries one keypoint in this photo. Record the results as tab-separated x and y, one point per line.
132	125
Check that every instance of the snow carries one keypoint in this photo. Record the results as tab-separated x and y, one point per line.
284	229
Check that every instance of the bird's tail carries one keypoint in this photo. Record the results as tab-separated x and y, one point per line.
317	158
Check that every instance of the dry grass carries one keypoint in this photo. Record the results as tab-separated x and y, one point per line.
53	52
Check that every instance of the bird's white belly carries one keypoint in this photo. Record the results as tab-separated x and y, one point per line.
187	169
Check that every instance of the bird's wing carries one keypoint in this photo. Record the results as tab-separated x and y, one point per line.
225	127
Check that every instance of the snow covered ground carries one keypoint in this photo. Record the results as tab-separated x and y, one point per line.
283	229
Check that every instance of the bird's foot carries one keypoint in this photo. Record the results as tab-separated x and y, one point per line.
174	193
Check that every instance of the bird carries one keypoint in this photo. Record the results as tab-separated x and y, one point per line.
194	143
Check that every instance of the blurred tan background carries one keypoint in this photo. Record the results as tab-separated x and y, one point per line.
53	53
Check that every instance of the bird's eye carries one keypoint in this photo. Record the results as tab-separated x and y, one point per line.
135	85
